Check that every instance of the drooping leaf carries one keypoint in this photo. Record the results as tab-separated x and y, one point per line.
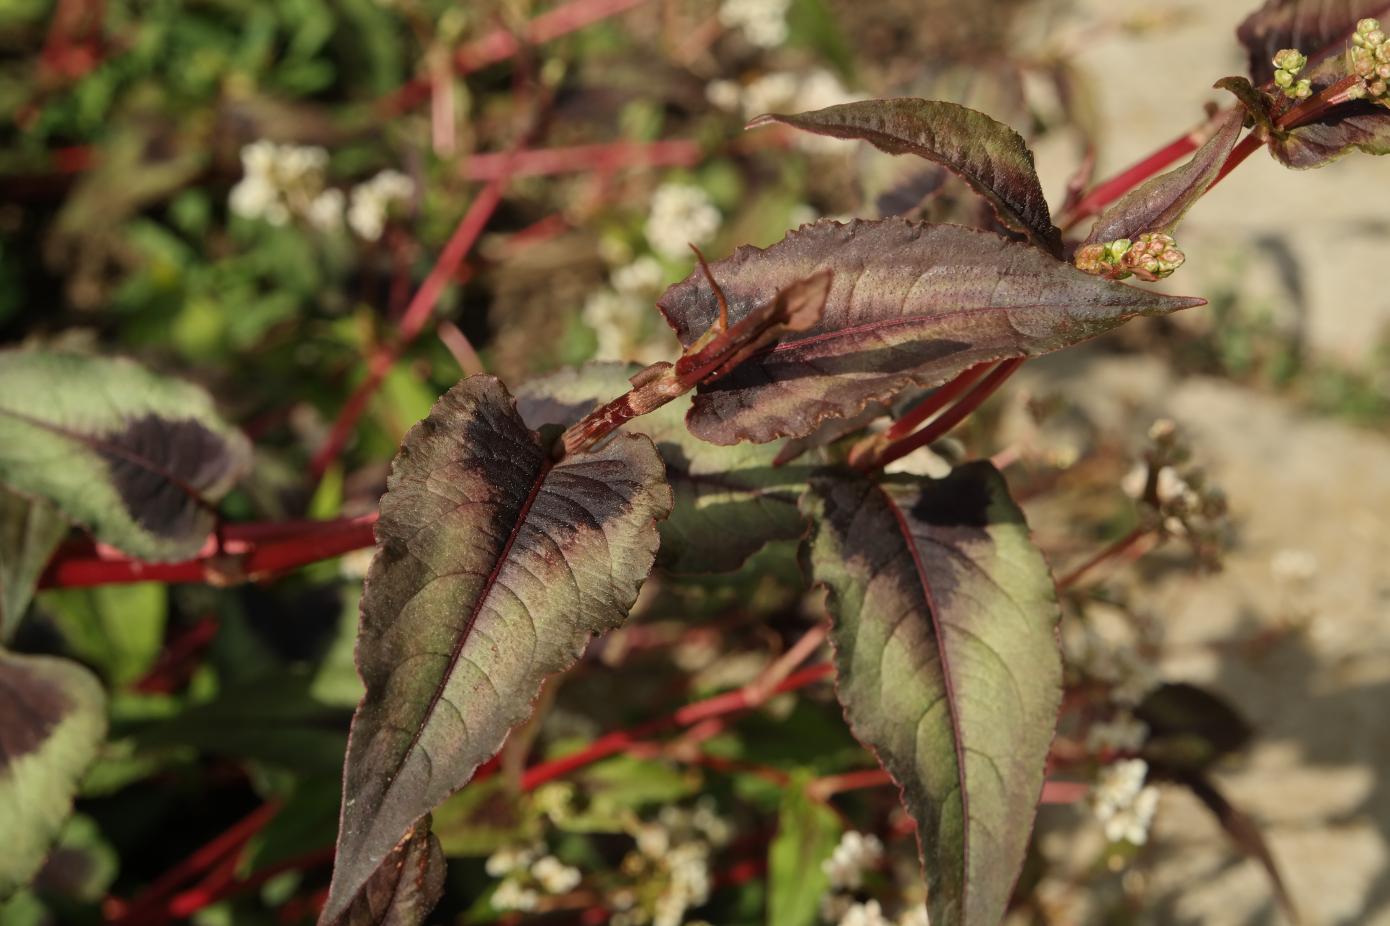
496	565
729	501
117	629
990	156
1160	203
807	831
1307	25
1189	728
1244	834
30	530
405	888
1356	126
911	305
52	721
944	618
137	458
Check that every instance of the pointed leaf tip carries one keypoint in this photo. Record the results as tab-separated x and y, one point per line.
495	567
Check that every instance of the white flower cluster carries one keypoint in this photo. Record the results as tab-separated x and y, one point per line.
280	182
855	854
1123	803
620	315
672	851
846	912
681	215
528	872
1123	733
373	200
762	22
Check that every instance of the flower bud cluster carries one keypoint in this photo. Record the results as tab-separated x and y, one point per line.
1151	256
1369	59
1288	64
1176	496
1123	803
528	874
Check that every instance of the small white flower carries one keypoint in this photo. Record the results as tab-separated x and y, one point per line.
554	876
762	22
681	215
855	854
653	840
508	859
510	895
642	277
724	94
277	181
1122	803
373	200
864	914
770	93
1135	480
326	210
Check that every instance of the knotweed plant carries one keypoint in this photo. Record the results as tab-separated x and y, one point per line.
521	520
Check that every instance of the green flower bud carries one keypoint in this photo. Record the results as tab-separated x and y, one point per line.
1303	89
1291	60
1283	78
1367	26
1116	250
1090	258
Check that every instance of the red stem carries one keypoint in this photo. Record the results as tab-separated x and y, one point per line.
446	268
935	402
948	419
1113	549
500	45
613	743
76	568
1110	190
141	909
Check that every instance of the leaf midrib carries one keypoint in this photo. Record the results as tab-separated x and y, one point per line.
467	632
948	679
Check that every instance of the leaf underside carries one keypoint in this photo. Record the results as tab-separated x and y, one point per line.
134	457
729	501
52	721
985	153
1160	203
406	887
910	305
1307	25
947	665
496	566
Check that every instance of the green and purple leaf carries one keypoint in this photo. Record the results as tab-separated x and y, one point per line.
30	530
910	305
1159	204
136	458
52	722
947	663
729	501
1311	26
496	565
985	153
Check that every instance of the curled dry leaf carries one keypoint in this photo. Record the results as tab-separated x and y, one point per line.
910	305
496	566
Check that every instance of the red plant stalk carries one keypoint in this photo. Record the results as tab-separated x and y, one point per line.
582	158
1117	548
416	314
949	418
499	45
241	561
226	844
1112	189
